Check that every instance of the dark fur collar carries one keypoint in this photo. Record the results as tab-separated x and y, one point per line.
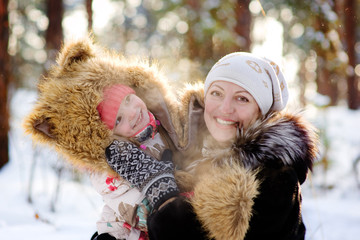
279	139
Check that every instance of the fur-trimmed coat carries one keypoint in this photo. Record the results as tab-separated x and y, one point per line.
274	154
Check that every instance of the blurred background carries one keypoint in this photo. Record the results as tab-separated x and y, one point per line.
317	44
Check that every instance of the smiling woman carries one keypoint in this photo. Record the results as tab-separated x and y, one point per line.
244	96
228	107
238	92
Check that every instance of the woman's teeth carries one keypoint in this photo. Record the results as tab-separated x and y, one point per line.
224	122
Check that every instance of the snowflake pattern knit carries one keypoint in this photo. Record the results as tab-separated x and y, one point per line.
152	177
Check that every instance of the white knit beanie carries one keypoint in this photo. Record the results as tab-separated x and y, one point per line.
261	77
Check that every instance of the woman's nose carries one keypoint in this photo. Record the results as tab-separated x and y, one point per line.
227	106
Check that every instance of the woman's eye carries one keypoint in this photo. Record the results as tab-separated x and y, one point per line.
215	93
242	99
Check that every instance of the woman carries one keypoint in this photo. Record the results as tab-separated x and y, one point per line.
247	93
246	136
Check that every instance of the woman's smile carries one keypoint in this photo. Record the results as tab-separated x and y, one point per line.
228	106
225	122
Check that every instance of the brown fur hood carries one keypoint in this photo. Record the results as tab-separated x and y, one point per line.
65	115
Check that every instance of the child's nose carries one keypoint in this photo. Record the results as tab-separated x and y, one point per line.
131	114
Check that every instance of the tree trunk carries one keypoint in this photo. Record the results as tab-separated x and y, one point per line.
193	48
302	84
54	33
350	32
90	14
325	83
243	24
4	83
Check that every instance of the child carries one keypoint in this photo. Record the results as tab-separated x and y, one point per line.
126	208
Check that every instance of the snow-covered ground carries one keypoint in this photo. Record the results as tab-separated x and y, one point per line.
331	201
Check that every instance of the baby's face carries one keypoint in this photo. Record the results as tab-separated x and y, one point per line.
132	116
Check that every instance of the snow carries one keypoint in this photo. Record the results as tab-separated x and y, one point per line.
74	214
76	209
331	199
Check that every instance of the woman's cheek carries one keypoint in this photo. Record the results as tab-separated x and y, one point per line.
209	120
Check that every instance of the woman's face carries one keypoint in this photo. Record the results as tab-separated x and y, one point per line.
228	106
132	116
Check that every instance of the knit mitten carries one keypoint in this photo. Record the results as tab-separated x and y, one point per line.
153	178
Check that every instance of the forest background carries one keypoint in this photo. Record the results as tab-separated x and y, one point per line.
317	43
319	40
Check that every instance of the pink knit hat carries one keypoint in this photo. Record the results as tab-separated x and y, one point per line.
109	106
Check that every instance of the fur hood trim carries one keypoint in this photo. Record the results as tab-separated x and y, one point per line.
223	202
65	115
279	139
192	113
284	137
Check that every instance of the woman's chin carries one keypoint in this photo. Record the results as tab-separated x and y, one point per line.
224	138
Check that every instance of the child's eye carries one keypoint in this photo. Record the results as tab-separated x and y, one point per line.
118	120
127	99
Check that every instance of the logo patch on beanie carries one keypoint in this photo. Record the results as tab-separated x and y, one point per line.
275	67
254	66
282	86
265	84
